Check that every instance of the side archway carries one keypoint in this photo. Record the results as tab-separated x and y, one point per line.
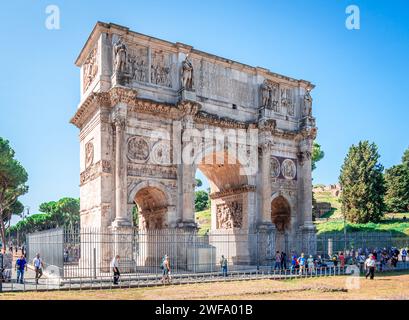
281	213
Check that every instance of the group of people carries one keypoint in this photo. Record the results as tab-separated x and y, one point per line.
20	266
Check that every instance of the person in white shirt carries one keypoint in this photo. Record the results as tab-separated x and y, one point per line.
370	265
115	268
38	267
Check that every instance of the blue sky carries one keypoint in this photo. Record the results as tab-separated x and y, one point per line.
361	75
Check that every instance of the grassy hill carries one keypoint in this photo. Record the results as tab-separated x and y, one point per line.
326	196
203	219
393	223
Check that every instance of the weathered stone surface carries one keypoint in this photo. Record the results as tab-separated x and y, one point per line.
153	112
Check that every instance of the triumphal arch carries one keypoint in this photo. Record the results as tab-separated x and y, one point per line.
153	112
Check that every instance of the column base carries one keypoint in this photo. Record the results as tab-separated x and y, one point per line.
121	223
266	243
187	226
122	233
187	95
308	237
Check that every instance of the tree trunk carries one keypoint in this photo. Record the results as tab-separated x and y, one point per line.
2	230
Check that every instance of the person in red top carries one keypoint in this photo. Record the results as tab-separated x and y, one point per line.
341	258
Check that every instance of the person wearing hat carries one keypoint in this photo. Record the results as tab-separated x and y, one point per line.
370	264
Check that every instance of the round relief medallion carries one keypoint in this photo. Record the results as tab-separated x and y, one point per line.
161	153
138	149
288	169
89	154
275	167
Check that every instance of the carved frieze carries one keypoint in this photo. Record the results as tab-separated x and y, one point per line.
289	169
275	167
229	215
89	154
138	63
161	153
155	171
90	69
229	192
95	170
287	101
138	149
161	68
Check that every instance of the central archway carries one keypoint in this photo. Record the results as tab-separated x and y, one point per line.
230	195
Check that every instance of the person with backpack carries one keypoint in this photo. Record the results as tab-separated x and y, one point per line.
166	269
223	266
301	263
21	266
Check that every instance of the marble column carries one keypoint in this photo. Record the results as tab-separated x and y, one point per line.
307	228
305	182
187	176
266	183
121	216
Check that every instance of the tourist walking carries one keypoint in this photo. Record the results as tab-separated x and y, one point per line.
115	268
166	270
223	266
277	259
38	267
21	266
370	264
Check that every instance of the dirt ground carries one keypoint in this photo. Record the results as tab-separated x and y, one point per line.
389	286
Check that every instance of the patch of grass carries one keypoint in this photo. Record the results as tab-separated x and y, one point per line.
203	218
326	196
395	226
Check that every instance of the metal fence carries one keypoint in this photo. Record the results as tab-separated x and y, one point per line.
88	252
328	244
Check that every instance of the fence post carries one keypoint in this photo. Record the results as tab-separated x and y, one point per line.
95	262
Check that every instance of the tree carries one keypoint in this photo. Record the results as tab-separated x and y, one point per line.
13	178
362	184
63	213
201	200
317	155
397	186
198	182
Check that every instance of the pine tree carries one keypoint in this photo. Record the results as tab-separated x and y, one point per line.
362	184
397	186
